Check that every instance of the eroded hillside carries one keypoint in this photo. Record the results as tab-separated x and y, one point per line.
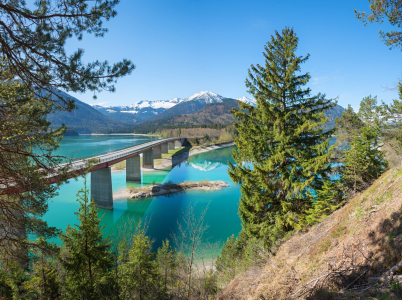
338	258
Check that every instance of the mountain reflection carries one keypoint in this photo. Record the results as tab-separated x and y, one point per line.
205	165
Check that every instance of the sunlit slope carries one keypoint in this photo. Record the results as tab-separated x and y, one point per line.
360	240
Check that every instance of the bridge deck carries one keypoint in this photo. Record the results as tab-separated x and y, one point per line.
106	160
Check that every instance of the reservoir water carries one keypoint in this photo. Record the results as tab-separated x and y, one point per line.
161	214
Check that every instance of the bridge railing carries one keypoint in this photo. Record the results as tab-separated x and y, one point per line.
83	162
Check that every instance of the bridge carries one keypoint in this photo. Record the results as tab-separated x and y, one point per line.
101	174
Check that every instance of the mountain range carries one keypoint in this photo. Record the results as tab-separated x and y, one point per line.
146	116
154	110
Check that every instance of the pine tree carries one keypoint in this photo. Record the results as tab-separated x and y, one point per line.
89	259
138	277
284	141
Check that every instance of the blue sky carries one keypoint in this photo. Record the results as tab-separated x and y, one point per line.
183	47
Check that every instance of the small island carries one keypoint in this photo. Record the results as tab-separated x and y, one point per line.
170	187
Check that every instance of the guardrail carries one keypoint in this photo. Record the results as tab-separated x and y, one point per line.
115	155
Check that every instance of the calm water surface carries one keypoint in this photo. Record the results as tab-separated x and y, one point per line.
161	213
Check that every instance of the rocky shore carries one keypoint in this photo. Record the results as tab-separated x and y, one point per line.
170	188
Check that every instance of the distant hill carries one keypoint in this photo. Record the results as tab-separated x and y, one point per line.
333	114
84	119
213	113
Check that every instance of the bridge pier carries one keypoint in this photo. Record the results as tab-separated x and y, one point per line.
101	188
148	159
177	144
171	145
165	148
157	152
133	169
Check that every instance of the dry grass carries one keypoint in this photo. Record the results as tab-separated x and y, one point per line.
360	240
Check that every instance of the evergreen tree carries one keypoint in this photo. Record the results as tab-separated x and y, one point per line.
89	260
355	165
26	145
166	261
12	278
228	261
382	10
138	274
43	281
34	38
284	141
392	132
325	202
363	161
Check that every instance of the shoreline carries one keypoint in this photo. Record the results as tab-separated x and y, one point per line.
170	188
140	134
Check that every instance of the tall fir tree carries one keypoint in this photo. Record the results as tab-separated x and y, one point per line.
283	139
89	259
139	278
362	159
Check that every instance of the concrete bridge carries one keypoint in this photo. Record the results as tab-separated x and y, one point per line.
101	175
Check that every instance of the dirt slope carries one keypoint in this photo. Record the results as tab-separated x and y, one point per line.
334	259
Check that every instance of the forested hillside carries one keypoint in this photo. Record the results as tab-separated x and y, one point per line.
213	113
84	119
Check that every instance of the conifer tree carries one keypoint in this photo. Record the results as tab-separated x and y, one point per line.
43	281
392	123
228	261
89	258
356	165
283	139
166	260
325	202
138	270
362	160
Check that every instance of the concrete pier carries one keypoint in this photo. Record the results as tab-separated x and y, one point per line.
148	159
171	145
165	148
133	169
157	152
177	144
101	188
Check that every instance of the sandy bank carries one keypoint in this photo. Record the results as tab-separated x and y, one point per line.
170	188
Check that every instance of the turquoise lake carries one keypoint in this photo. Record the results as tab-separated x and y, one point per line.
161	214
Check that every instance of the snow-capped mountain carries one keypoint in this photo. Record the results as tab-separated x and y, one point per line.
249	101
141	105
137	112
151	110
205	97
